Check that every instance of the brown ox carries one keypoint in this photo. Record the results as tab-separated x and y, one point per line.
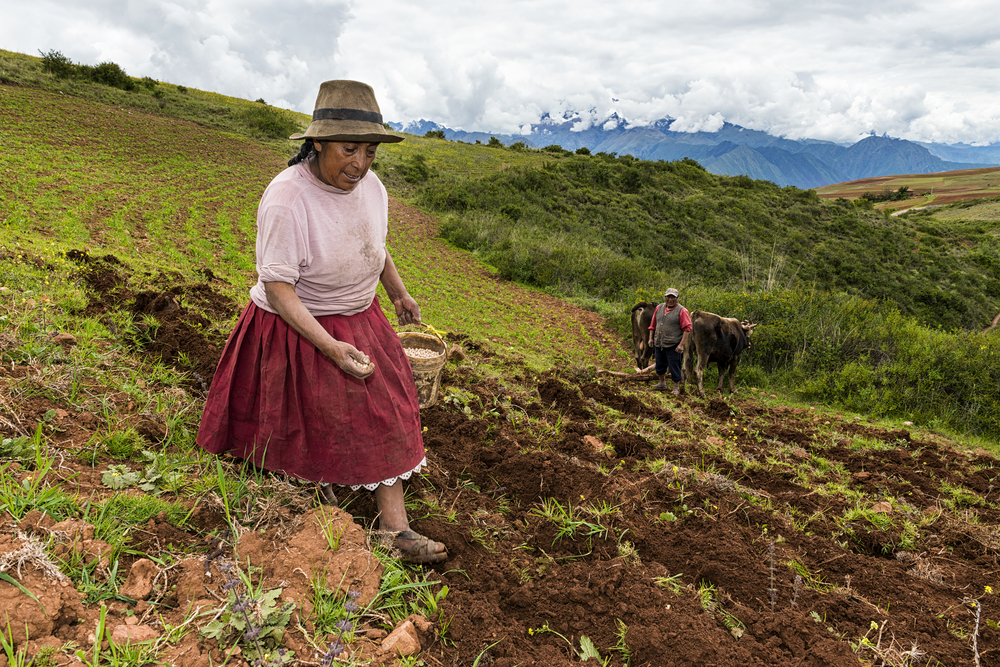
718	339
642	316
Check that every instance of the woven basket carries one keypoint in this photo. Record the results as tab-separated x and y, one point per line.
426	372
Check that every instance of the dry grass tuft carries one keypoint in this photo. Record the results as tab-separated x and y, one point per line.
30	553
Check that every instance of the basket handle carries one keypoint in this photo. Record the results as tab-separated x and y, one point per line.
434	332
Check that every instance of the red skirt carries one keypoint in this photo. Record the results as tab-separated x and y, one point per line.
278	401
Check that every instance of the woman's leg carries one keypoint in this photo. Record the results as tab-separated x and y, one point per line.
391	509
392	517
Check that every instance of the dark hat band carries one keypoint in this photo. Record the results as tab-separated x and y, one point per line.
347	114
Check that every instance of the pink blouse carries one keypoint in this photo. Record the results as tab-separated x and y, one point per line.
327	242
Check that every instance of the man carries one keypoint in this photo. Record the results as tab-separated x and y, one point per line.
668	334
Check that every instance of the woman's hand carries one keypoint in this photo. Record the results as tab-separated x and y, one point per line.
407	310
350	359
284	300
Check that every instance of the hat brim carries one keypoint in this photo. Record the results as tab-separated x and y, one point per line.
358	131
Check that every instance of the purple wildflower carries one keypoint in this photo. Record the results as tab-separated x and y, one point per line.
335	649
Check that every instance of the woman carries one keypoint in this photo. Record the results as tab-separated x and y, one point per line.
313	381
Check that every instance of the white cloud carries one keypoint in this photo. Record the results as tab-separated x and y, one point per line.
832	69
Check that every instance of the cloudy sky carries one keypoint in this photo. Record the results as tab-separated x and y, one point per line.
825	69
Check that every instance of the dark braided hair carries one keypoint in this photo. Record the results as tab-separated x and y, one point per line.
305	151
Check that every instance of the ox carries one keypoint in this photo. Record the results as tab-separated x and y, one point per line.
642	316
718	339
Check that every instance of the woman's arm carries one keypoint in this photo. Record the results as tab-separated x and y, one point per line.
284	300
407	309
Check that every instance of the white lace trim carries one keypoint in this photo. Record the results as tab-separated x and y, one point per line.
391	480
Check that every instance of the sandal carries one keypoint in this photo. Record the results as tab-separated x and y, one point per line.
423	551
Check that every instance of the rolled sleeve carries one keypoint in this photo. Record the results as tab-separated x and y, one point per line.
685	319
278	273
282	248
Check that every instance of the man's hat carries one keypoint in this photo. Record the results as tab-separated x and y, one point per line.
671	292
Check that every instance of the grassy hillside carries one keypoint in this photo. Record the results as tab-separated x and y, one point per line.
604	227
257	120
182	198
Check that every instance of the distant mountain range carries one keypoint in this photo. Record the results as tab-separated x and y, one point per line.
734	150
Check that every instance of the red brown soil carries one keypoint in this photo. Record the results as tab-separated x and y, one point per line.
584	439
726	474
178	328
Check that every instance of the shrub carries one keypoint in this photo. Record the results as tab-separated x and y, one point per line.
57	64
268	122
888	195
434	134
416	169
860	355
110	74
495	143
583	150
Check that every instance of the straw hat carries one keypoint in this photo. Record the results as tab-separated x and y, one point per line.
347	111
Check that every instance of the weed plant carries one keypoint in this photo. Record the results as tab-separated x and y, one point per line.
398	590
568	522
252	616
33	493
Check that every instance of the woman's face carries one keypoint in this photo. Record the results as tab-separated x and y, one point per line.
343	164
